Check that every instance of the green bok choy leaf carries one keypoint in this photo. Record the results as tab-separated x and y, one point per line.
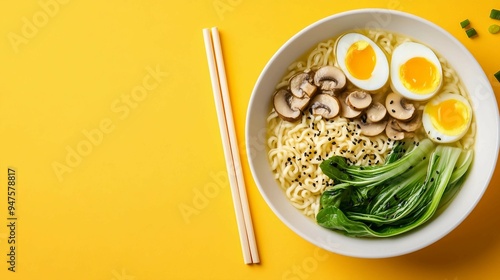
390	199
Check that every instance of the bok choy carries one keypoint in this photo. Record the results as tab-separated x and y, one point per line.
390	199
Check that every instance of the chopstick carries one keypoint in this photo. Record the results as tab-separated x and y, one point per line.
230	145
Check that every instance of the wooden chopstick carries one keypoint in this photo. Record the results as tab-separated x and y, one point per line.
230	144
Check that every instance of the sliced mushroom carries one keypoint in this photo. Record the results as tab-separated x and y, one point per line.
330	79
301	85
325	105
347	111
282	105
393	130
371	129
412	124
359	99
376	112
398	107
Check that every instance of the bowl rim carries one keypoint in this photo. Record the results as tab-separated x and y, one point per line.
333	247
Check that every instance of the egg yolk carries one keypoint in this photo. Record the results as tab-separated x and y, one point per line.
450	116
360	60
419	75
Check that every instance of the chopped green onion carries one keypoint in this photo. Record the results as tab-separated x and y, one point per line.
494	28
471	32
495	14
497	76
465	23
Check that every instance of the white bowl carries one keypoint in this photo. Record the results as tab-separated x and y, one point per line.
486	145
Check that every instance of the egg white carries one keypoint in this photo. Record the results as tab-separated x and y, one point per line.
441	136
380	74
401	55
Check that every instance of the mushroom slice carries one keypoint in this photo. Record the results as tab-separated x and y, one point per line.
371	129
359	99
393	130
325	105
330	79
398	107
281	101
300	85
346	110
412	124
376	112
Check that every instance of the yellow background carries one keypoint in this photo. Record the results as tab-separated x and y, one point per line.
72	82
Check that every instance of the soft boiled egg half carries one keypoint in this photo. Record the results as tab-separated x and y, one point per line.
416	72
362	61
447	117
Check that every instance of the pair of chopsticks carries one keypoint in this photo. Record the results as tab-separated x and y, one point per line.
228	134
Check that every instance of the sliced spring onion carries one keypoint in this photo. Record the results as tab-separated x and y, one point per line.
494	28
471	32
497	76
495	14
465	23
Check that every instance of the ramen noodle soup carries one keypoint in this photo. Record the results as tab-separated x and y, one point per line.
299	143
